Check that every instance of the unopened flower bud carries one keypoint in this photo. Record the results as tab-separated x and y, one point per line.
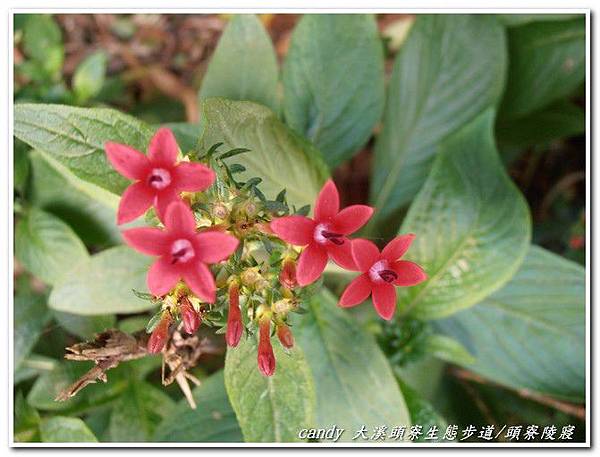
234	318
287	277
285	336
266	357
220	211
282	306
250	276
191	318
159	335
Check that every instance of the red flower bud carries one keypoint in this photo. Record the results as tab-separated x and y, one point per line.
234	318
285	336
266	358
191	318
287	277
159	335
576	242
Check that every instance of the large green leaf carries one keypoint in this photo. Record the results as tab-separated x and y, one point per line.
354	382
450	69
46	246
333	82
103	284
281	158
274	408
212	421
547	62
423	413
513	20
138	411
61	429
530	334
244	65
31	315
42	42
471	222
75	137
84	326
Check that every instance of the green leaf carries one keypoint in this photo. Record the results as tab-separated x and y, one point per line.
423	413
212	421
513	20
32	366
75	137
280	157
88	78
84	326
531	333
138	411
355	384
42	41
103	284
448	349
46	246
547	63
449	70
472	226
274	408
30	318
187	135
559	120
21	166
61	429
27	420
244	65
333	82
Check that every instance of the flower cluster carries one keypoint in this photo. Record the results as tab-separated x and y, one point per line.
228	257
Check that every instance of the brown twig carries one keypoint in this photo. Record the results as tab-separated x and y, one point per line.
577	411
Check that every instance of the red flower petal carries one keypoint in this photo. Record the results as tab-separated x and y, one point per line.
397	247
234	318
162	277
200	280
297	230
213	246
163	148
384	300
193	177
127	161
356	292
135	201
179	218
159	336
147	240
342	255
163	200
350	219
311	264
328	202
409	273
364	253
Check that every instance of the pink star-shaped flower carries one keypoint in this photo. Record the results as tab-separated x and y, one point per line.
159	179
182	252
325	235
381	274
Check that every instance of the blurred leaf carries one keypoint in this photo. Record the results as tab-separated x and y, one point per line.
103	284
84	326
281	158
333	82
244	64
212	421
448	349
32	366
42	41
98	421
75	137
354	383
449	70
531	333
21	166
30	318
559	120
89	210
547	63
275	408
472	226
138	411
187	135
46	246
27	420
514	20
88	78
423	413
60	429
